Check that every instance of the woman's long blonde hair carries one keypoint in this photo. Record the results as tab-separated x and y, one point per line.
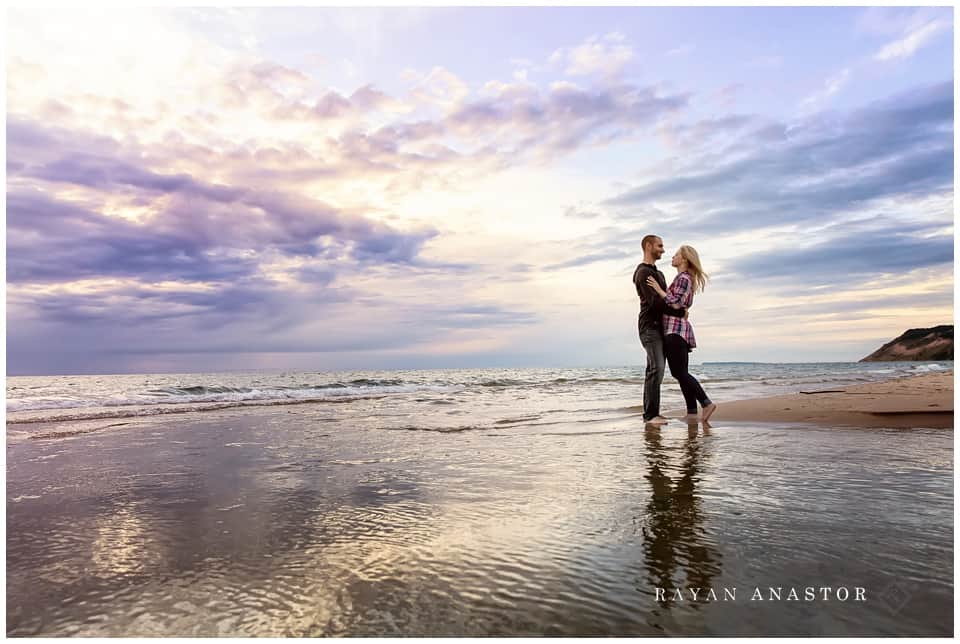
694	267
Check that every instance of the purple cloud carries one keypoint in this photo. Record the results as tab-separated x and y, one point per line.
901	147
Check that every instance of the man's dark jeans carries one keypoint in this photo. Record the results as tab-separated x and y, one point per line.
652	341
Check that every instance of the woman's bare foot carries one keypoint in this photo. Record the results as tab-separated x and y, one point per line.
708	411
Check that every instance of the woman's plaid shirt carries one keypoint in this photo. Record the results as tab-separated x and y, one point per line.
680	295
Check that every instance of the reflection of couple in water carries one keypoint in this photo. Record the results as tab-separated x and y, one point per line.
678	548
665	330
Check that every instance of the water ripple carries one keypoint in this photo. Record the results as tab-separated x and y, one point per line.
370	532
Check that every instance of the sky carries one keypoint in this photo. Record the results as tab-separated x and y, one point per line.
203	190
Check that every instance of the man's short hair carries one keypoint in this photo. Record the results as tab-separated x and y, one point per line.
649	239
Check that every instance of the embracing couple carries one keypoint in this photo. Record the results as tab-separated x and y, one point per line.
665	331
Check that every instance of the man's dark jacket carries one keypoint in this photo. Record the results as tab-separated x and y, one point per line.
652	306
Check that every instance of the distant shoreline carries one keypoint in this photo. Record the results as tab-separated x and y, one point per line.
274	370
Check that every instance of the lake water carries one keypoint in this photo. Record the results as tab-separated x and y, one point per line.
520	502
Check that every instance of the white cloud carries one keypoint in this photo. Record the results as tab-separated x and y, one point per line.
440	87
913	41
524	66
896	21
837	81
916	29
830	87
605	56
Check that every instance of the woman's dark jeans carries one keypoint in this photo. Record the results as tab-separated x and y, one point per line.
678	358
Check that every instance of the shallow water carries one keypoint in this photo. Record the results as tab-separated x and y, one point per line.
305	521
472	396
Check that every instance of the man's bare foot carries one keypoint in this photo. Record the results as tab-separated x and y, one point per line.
659	420
708	411
690	418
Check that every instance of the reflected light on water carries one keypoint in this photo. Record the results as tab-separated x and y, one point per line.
248	526
122	544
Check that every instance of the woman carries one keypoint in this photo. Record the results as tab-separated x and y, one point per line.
678	340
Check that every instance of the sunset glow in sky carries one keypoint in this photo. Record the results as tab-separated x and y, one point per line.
216	189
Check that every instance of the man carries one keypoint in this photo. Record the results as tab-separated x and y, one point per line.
650	326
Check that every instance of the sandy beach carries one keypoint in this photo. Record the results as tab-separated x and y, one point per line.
917	401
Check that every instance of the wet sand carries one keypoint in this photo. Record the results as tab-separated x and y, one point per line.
312	521
917	401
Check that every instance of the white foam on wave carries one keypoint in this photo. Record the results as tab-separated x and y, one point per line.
928	367
252	395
